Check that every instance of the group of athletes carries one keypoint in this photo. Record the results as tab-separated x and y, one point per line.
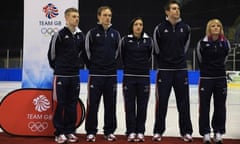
100	49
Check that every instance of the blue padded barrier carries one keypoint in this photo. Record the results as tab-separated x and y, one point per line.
14	74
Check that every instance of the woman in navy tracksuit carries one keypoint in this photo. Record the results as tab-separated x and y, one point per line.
136	54
212	52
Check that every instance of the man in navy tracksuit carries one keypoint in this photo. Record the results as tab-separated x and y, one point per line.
102	48
171	39
136	53
64	57
212	52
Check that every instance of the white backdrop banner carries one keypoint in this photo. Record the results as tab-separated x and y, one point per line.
41	19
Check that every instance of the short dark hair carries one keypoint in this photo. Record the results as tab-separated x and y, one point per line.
101	8
68	10
167	5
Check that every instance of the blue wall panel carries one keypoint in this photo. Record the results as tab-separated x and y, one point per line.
10	74
16	75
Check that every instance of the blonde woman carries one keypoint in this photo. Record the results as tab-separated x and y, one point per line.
212	52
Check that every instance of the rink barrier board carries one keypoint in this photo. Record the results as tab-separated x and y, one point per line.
15	74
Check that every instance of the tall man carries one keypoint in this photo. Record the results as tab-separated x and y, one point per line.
171	38
102	48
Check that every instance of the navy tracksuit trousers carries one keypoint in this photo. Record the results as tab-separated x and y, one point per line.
218	89
136	92
98	86
177	79
65	116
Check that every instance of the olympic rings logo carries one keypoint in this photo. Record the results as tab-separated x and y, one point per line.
37	126
48	31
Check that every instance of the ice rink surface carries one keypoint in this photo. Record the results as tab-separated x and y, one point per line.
233	110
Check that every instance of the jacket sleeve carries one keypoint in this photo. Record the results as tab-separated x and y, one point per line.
84	58
199	52
52	50
82	54
156	38
227	51
121	50
186	46
117	46
87	51
151	55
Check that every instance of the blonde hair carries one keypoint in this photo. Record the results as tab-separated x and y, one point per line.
210	22
69	10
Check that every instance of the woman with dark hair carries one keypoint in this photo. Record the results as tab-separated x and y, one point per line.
136	54
212	52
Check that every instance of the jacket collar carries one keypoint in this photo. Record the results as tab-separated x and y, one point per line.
145	35
101	27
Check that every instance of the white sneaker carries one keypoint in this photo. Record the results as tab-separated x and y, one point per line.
110	137
61	139
187	138
218	138
156	137
91	138
131	137
207	139
140	137
72	138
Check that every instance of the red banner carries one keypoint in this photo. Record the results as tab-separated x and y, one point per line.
29	112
